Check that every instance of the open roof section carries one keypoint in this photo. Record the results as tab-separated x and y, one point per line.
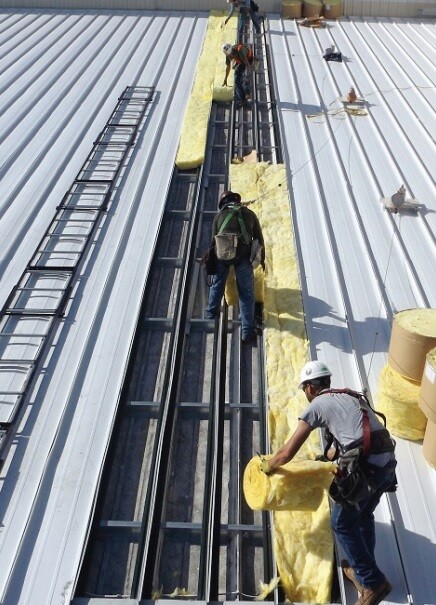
61	73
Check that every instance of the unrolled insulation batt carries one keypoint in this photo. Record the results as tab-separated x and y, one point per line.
303	540
207	86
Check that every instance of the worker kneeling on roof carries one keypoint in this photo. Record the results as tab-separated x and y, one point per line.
243	59
236	236
366	469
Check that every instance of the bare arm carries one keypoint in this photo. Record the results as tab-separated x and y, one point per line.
291	447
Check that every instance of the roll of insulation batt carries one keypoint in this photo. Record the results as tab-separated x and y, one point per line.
427	392
332	9
413	335
312	8
291	9
429	443
298	485
398	401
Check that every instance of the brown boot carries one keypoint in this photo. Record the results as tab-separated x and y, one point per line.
348	572
374	596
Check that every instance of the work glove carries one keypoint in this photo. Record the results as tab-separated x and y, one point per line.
265	467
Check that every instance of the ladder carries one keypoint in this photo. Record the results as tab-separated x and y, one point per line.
38	302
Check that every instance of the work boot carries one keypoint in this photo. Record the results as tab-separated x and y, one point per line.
374	596
348	572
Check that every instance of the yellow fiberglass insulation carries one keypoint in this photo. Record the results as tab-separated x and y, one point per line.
398	400
420	321
303	540
298	485
207	86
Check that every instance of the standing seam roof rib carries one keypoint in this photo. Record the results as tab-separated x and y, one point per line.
60	76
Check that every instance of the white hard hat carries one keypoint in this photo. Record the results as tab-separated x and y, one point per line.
227	48
312	370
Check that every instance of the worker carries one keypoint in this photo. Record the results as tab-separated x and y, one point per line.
245	11
238	221
347	416
243	59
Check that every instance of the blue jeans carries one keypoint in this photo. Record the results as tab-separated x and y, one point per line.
245	285
244	13
240	87
355	532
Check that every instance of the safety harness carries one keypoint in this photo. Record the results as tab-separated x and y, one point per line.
375	442
355	479
235	211
237	57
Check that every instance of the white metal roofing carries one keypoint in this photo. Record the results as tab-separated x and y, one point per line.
361	263
61	73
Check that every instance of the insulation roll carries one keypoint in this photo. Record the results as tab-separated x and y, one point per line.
398	401
413	335
291	9
298	485
312	8
332	9
429	443
427	392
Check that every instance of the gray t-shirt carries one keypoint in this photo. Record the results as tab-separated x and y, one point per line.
340	414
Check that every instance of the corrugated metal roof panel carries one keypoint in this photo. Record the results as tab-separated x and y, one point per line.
64	86
60	76
361	263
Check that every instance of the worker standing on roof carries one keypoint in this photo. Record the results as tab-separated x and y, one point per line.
234	231
245	11
361	440
243	60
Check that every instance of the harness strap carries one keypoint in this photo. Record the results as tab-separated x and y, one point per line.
366	440
232	212
366	433
381	442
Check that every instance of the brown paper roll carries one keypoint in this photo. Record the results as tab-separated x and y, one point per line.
427	392
413	335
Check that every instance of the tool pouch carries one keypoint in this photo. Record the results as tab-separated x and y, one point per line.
353	482
226	245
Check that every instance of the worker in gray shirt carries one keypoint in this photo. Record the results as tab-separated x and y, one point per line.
366	469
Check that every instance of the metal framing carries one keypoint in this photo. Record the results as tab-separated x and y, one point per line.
140	543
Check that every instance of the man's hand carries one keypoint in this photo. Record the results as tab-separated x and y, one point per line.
265	467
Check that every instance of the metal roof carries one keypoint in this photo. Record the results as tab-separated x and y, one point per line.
361	263
61	73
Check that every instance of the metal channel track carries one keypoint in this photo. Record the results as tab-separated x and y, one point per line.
256	124
170	517
38	302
